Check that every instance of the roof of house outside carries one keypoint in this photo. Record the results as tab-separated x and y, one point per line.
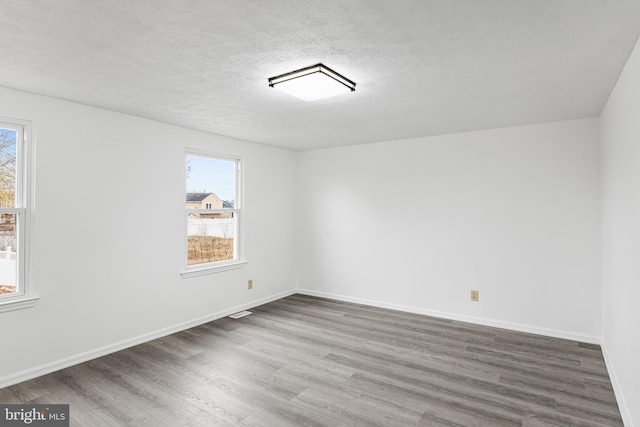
226	204
197	197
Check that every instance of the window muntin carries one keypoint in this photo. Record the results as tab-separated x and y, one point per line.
213	211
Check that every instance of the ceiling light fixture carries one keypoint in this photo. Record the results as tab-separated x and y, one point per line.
312	83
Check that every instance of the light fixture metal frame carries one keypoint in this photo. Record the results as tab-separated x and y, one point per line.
317	68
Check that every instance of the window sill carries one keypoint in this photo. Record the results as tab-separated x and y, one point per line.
210	269
18	304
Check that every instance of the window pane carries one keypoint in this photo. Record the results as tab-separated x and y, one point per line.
211	185
7	168
206	177
8	249
210	237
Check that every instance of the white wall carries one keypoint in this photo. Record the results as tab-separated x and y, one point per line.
109	232
417	224
514	213
620	136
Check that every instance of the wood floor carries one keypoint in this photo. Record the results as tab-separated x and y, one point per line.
304	361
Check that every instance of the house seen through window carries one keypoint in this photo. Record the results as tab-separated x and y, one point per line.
212	209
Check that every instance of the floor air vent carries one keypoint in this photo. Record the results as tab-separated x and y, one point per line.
240	314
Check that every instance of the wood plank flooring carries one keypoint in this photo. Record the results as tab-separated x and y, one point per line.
305	361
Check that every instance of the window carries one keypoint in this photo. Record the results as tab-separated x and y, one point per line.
213	213
15	213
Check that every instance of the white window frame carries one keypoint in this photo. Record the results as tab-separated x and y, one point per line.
24	297
237	212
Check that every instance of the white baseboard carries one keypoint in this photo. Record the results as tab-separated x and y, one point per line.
56	365
622	405
593	339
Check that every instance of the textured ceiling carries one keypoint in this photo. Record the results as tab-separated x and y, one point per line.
421	67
